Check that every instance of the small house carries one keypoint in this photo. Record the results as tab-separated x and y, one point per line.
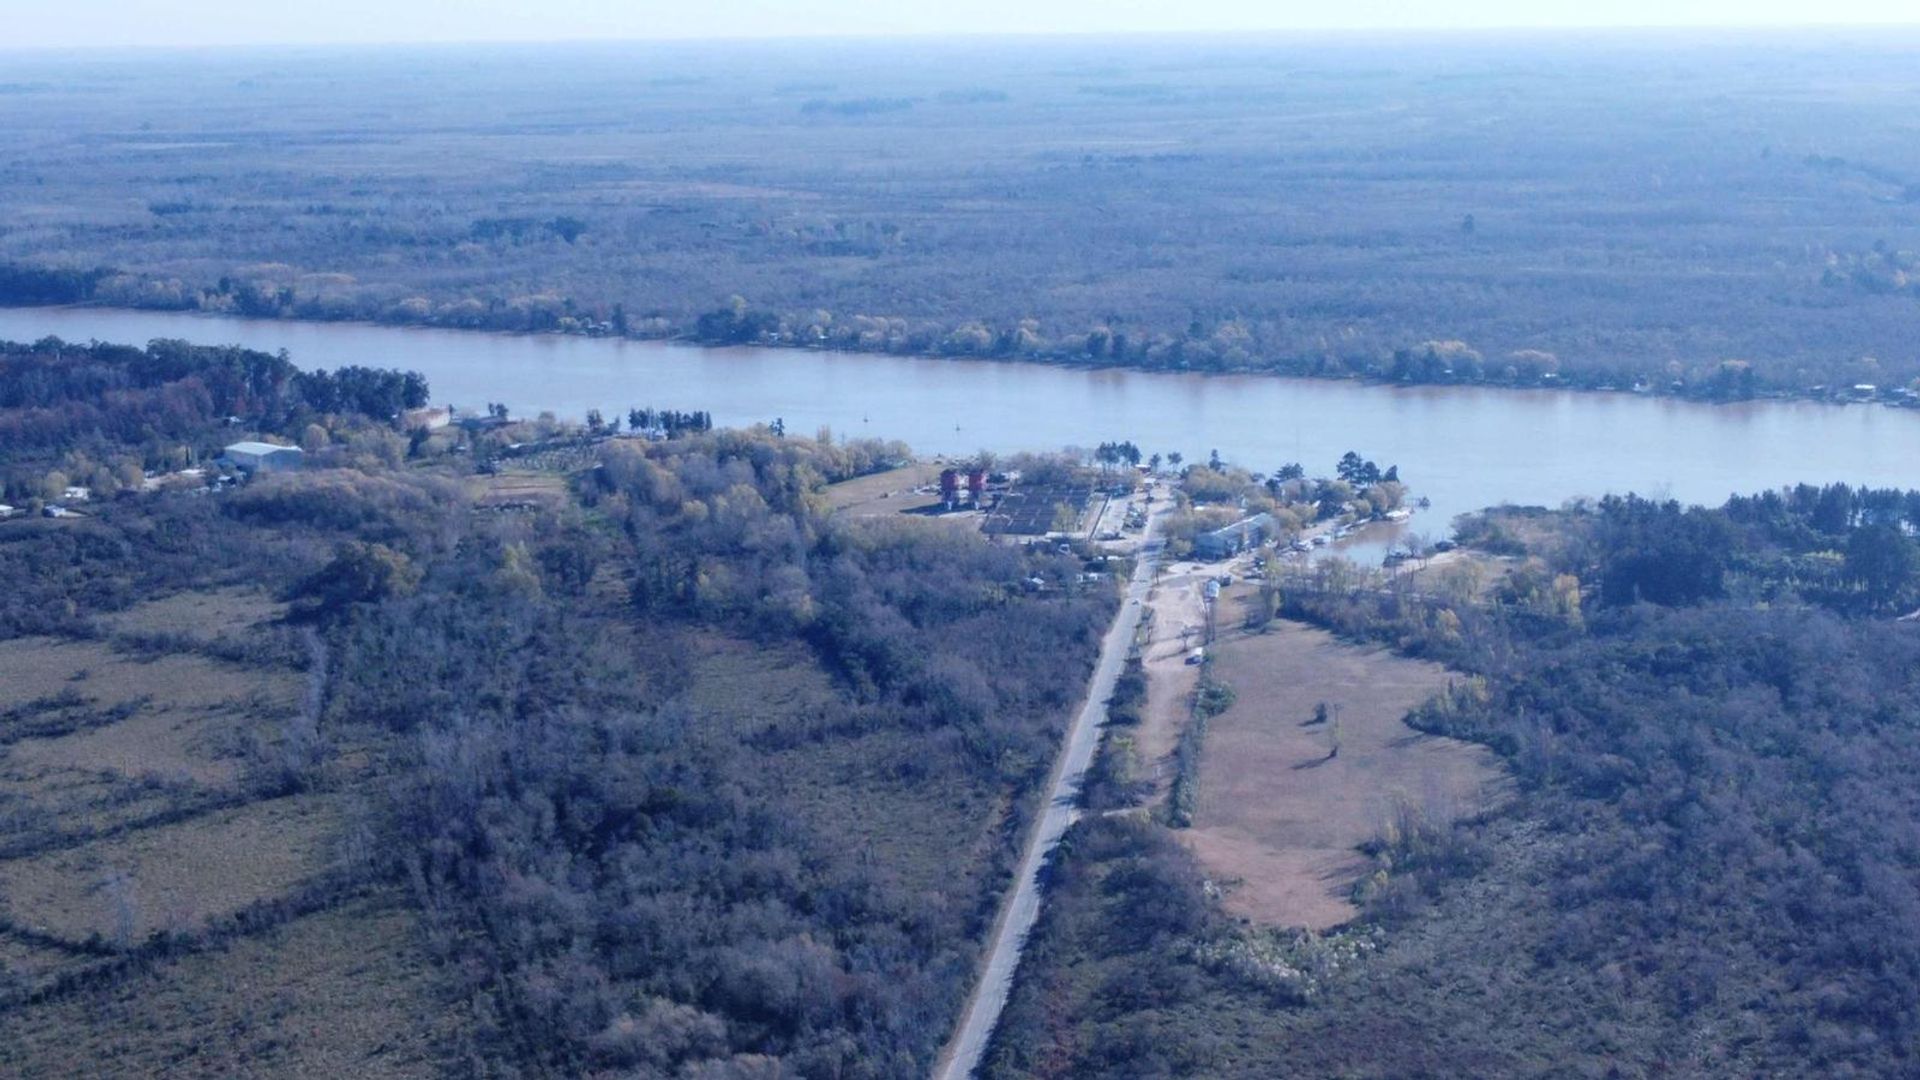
429	419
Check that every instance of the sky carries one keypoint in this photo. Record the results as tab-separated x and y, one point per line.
81	23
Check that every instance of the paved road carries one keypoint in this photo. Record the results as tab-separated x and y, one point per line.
1020	910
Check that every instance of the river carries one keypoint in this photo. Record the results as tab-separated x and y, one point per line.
1461	447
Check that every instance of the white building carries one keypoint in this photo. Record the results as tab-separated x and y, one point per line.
1235	538
261	457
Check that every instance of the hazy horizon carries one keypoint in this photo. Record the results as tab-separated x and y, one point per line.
228	23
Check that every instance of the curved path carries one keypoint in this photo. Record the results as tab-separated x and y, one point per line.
1022	907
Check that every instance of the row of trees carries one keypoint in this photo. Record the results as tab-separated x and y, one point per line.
1230	346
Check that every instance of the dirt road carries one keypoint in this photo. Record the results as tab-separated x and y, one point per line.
1022	907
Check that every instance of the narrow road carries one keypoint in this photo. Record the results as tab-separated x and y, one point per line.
1021	908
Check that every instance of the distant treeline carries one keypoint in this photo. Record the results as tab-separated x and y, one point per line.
42	285
1644	217
1220	345
672	421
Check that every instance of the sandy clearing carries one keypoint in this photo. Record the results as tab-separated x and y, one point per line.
889	492
1278	820
1177	605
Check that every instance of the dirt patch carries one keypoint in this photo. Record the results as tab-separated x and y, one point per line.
173	876
1177	627
1278	818
890	492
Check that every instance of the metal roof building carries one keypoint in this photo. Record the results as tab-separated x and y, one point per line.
1234	538
262	457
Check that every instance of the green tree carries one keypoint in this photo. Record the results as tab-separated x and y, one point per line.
357	574
1881	560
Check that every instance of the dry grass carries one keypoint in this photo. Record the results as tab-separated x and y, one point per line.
1177	608
342	993
34	669
208	616
180	720
510	488
746	687
1278	820
173	876
847	786
194	748
30	964
889	492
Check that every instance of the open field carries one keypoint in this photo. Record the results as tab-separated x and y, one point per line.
890	492
126	799
344	992
202	616
519	488
80	713
93	675
1278	819
173	877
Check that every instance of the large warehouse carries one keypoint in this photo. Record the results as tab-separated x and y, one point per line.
261	457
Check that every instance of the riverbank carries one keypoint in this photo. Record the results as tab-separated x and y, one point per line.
1468	447
1574	381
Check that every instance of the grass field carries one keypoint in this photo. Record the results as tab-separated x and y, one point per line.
344	992
207	615
173	877
890	492
95	676
1279	821
93	739
126	809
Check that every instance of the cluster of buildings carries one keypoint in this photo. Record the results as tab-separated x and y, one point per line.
245	458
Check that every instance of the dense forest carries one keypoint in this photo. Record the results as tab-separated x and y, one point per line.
677	773
1717	219
1709	869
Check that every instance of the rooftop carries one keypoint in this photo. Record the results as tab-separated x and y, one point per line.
258	448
